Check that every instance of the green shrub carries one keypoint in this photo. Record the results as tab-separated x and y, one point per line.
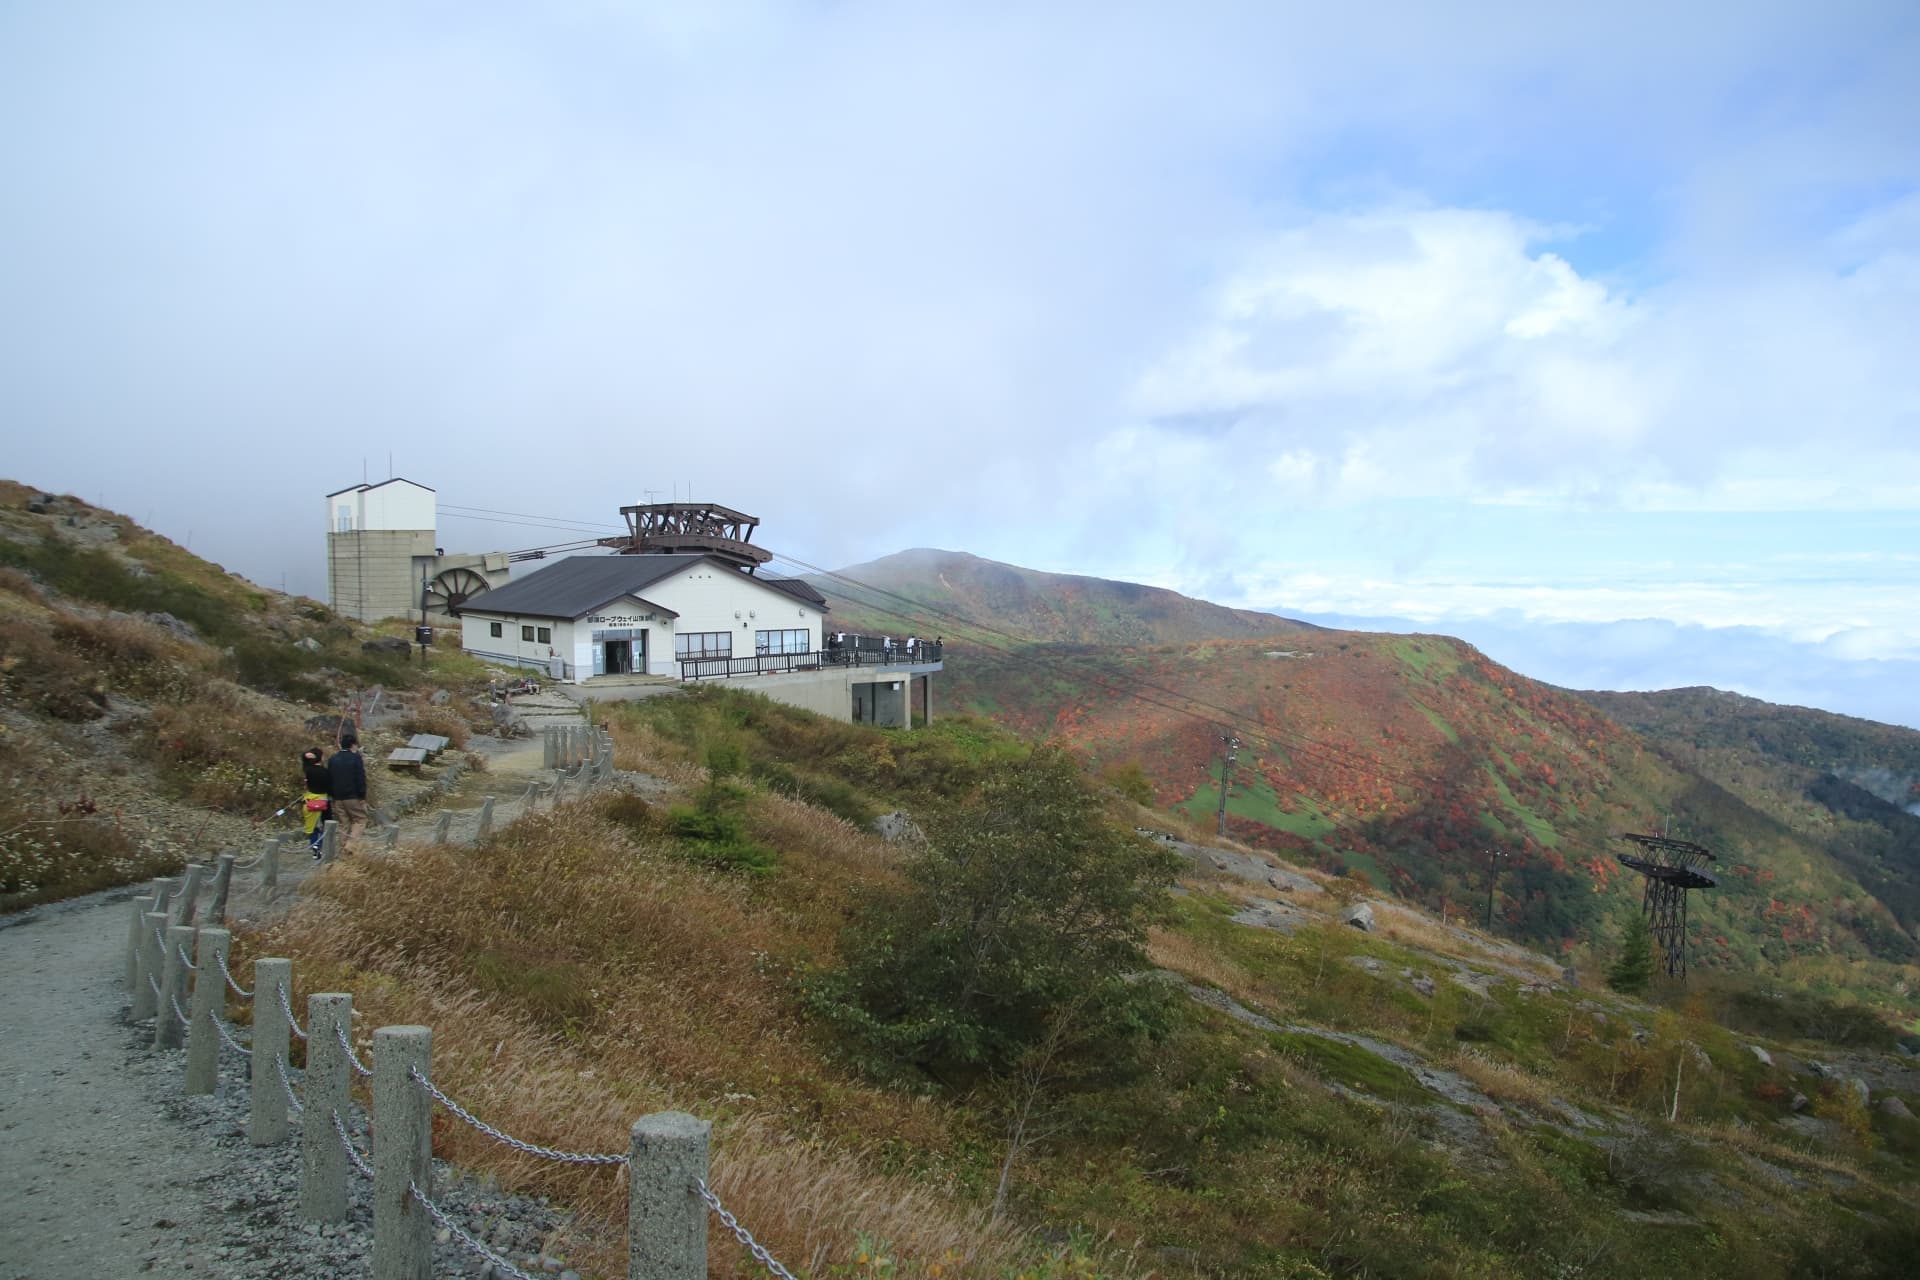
1022	919
715	828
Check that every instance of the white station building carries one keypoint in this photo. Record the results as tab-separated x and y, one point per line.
626	619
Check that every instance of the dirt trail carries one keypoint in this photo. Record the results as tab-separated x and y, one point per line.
91	1172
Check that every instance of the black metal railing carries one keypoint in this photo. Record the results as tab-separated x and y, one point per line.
840	655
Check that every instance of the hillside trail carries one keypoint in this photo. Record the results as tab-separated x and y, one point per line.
96	1178
93	1172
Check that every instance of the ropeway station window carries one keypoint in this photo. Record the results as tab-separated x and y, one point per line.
703	644
765	642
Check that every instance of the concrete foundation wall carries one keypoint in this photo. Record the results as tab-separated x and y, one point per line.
375	573
838	692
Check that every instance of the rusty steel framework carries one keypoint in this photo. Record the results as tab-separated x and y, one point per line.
699	528
1671	867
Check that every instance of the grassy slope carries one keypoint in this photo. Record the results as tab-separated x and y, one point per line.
1034	606
1839	782
1407	756
594	968
135	745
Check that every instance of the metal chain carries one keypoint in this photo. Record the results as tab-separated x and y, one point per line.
740	1233
353	1153
185	1021
340	1029
191	966
532	1149
226	973
500	1265
231	1043
287	1086
154	985
287	1009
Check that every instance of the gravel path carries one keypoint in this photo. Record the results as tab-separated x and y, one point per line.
91	1173
108	1169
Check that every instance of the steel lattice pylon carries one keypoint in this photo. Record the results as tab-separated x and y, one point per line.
1671	867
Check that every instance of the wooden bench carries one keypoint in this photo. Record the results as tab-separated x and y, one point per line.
407	758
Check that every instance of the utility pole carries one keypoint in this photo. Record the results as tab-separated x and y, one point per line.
1493	878
422	634
1229	745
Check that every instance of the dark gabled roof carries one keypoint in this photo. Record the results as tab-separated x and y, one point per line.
356	488
578	585
798	588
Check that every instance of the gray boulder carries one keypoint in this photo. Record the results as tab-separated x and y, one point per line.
309	644
182	629
1766	1059
386	644
1894	1107
896	827
440	697
1423	984
1861	1091
1360	916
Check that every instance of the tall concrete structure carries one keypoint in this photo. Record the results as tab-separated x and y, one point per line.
382	557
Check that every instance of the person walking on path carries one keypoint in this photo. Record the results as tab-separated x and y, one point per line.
347	778
319	783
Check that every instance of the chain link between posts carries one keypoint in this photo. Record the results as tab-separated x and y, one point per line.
340	1029
226	973
740	1233
353	1153
185	1021
532	1149
227	1037
500	1265
286	1086
191	966
293	1023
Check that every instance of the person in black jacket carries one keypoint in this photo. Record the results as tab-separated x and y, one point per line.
347	780
313	804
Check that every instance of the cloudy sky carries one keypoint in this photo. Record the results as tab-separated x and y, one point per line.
1594	337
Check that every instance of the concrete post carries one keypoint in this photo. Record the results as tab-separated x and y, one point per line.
142	903
222	884
190	891
402	1154
559	786
152	926
267	1109
270	865
163	901
323	1165
209	991
666	1219
440	827
486	820
330	841
549	749
393	838
167	1031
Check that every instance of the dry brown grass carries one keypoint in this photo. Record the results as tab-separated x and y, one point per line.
1504	1082
1415	928
1185	956
637	746
577	976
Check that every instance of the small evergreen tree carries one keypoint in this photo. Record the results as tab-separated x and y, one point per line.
1633	971
1023	904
